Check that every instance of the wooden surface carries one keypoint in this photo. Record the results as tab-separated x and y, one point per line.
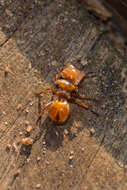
118	9
36	41
113	14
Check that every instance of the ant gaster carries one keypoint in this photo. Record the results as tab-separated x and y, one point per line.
68	81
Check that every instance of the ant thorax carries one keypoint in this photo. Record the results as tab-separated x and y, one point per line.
66	85
63	95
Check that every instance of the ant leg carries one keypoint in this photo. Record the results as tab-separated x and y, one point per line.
58	76
45	90
78	95
43	111
89	74
82	96
59	94
79	102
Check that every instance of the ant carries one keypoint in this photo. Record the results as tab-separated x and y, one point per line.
68	81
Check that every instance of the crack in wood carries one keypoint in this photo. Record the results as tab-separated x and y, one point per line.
84	177
14	31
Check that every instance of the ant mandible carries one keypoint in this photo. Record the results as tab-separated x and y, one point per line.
68	81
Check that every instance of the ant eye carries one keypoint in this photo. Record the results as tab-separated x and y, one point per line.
57	86
61	77
73	91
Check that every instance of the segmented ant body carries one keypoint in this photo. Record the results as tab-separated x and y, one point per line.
68	81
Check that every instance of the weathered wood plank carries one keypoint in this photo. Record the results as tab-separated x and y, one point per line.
12	14
50	37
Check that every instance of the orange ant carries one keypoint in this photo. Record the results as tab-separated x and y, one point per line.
68	81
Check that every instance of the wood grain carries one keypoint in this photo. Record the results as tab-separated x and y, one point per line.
53	34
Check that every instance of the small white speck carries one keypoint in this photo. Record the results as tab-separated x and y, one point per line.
27	123
54	62
71	157
38	158
44	143
31	103
73	20
84	62
30	66
20	133
27	111
38	186
28	160
72	152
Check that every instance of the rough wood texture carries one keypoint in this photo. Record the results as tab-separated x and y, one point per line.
118	9
66	157
113	14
